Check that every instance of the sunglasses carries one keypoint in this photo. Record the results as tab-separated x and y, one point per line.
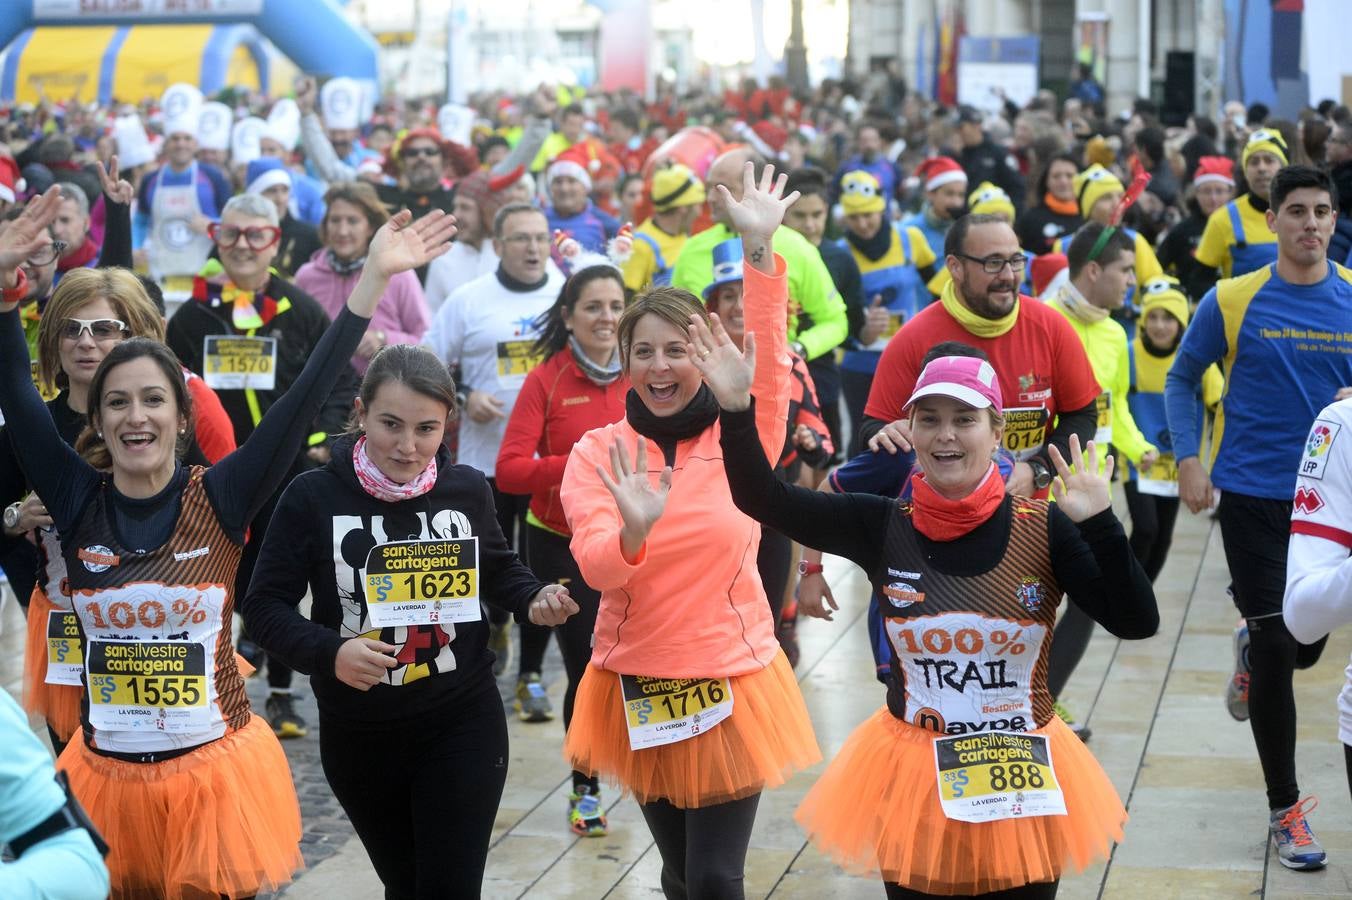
257	237
100	330
413	152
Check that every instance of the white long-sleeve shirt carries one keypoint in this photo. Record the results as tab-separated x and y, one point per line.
1319	560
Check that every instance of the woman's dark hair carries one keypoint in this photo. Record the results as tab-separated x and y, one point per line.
550	324
93	447
416	368
808	180
1042	176
953	348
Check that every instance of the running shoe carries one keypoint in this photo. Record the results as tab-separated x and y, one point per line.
1296	846
584	814
1083	732
283	718
499	641
532	705
253	654
1237	691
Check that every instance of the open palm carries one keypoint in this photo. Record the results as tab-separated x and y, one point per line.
1080	490
402	244
640	504
762	207
25	235
727	370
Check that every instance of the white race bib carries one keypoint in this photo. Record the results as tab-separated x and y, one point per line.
423	582
666	710
997	775
238	363
148	686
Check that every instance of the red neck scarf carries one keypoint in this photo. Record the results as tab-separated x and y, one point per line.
941	519
80	257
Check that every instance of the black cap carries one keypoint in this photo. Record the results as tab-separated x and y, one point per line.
969	114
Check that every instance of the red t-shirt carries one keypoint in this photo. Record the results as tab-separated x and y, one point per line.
1041	363
211	425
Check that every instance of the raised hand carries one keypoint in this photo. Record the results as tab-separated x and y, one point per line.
640	504
115	189
727	370
1083	492
305	94
402	243
25	235
762	207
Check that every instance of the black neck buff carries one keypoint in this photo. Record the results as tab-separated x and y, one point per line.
520	287
699	414
873	248
1160	352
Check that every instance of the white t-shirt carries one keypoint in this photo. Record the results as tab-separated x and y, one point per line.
487	329
456	267
1319	561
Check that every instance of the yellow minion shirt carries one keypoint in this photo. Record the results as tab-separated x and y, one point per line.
1218	238
647	266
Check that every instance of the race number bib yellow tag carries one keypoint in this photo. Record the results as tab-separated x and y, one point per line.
666	710
147	685
177	285
1161	479
238	363
65	655
1025	430
997	775
517	358
1103	434
423	582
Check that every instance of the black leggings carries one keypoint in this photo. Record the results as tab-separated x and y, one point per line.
703	850
1040	890
511	509
855	386
1152	528
1255	532
772	561
1069	641
552	560
1347	760
423	796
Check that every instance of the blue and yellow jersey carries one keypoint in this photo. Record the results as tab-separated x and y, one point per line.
1146	400
895	277
1255	247
1284	350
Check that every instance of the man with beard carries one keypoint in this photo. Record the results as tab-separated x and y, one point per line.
1049	388
868	143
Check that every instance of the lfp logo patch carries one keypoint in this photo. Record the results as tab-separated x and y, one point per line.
1322	435
1321	438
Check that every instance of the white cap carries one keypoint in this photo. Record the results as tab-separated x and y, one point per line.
213	126
340	99
284	123
244	140
181	106
456	122
133	146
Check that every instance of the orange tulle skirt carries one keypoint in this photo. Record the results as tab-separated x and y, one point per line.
222	820
767	738
876	810
59	704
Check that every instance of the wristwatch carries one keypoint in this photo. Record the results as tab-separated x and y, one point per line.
798	348
807	568
11	517
1042	476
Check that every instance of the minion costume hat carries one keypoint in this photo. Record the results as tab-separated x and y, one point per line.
676	186
727	266
860	194
1264	140
1092	184
1166	293
990	199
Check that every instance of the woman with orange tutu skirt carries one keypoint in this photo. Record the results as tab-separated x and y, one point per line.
688	703
966	784
192	792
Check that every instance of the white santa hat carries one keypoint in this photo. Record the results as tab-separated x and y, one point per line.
284	123
213	126
566	168
938	171
181	106
244	140
133	146
340	99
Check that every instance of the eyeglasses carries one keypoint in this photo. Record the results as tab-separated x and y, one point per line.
101	330
258	237
47	255
992	265
411	152
541	240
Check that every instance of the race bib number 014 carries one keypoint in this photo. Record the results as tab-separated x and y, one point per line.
1025	430
155	685
666	710
237	363
997	775
423	582
65	656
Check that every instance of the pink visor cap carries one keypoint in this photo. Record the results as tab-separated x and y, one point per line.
964	378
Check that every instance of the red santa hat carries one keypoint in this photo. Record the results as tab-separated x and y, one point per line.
1045	270
938	171
1215	168
9	179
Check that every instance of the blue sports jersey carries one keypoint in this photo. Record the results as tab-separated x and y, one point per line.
1285	350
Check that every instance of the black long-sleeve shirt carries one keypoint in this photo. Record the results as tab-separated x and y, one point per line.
237	485
327	509
1093	561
